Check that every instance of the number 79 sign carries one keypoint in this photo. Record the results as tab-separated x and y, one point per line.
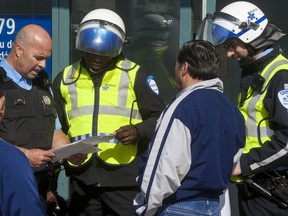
10	24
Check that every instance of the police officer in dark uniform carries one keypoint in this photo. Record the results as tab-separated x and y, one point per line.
15	166
29	121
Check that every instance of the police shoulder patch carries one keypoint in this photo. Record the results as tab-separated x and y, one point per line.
152	84
283	97
46	100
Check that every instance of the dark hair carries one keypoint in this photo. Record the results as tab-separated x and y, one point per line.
202	58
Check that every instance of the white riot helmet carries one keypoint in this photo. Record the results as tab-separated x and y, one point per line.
101	32
242	20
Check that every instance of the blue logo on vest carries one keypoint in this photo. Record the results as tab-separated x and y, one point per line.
283	97
105	87
152	84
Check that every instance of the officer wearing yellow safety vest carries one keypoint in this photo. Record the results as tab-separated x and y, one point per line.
244	31
103	94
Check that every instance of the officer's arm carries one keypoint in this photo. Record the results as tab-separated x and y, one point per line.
150	106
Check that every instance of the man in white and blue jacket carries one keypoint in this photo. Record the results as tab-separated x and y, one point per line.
191	156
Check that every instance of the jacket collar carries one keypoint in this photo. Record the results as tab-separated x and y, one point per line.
259	64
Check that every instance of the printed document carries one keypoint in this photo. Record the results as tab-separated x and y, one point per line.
85	146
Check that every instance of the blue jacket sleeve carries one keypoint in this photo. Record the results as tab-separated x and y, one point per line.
18	188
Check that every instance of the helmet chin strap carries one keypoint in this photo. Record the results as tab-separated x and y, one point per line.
251	50
251	53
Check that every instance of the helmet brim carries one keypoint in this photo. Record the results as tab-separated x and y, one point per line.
96	38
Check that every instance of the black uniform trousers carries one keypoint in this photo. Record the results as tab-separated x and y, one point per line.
103	201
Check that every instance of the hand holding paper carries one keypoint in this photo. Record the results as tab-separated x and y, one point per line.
86	146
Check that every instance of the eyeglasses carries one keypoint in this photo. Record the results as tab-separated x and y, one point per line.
231	46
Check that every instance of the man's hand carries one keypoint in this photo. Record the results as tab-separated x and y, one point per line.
127	134
38	157
77	159
51	198
60	139
237	170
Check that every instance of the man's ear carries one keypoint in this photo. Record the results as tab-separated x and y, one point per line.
184	70
2	107
18	50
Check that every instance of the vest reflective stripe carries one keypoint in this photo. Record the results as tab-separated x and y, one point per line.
271	158
116	99
104	110
81	137
280	65
254	112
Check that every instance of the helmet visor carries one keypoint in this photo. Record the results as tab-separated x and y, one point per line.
204	31
221	34
101	39
214	33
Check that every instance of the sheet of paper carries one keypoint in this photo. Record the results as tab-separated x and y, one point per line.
86	146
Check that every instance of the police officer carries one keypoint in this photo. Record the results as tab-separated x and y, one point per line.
17	179
29	120
104	94
251	40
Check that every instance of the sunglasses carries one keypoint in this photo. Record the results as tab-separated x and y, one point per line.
231	46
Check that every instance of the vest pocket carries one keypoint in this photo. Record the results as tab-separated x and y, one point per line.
18	111
49	111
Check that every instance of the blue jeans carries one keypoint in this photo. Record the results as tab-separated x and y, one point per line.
191	208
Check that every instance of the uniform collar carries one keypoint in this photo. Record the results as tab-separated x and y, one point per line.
259	64
16	77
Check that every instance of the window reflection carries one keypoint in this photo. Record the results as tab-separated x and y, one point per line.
152	47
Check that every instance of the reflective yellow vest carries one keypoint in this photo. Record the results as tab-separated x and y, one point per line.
254	112
116	106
